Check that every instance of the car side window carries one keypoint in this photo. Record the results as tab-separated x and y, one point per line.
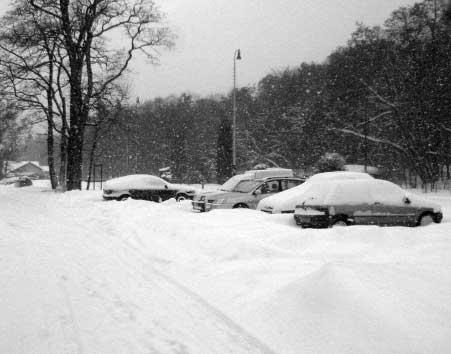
289	183
274	186
388	193
356	193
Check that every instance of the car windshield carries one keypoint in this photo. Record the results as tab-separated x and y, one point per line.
245	186
232	182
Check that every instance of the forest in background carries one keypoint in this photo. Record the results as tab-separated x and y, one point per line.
383	100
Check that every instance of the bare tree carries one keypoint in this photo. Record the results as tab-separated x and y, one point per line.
29	67
78	53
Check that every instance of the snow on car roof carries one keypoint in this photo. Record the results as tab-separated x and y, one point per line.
353	192
340	175
287	200
135	181
270	172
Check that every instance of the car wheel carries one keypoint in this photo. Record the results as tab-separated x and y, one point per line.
241	205
123	197
425	219
181	197
340	222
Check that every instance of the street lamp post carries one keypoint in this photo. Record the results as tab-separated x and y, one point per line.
236	56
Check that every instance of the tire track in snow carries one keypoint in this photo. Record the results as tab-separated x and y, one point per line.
234	329
181	319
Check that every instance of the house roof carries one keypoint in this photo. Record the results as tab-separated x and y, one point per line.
11	166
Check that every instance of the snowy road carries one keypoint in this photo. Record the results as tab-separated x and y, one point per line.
79	275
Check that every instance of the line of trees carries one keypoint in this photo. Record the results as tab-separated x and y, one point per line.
384	99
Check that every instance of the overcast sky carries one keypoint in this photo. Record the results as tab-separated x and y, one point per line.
272	34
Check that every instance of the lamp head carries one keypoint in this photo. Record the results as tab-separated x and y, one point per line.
238	55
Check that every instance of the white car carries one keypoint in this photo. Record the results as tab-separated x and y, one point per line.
363	202
286	201
145	187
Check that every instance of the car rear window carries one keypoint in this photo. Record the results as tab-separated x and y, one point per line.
287	184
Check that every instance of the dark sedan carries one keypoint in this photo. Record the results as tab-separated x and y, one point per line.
146	187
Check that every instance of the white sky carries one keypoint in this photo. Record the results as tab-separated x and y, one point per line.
271	35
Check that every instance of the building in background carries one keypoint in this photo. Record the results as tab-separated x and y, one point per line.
30	169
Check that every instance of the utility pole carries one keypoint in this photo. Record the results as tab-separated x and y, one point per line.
236	56
136	136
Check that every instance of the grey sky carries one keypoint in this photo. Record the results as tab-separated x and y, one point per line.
271	35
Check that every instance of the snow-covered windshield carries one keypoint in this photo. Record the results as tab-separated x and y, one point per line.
239	183
230	184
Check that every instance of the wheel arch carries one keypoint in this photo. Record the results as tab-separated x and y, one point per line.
241	205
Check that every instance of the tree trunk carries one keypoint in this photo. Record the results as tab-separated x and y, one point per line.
91	157
75	139
51	157
63	158
74	159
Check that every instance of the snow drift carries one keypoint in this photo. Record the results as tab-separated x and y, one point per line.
79	275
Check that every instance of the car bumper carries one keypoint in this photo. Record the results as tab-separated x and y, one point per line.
203	206
109	197
313	221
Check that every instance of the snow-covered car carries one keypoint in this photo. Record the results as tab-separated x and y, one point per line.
246	190
363	202
8	180
22	181
286	201
147	187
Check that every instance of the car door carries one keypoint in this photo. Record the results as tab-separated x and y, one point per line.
266	189
354	201
391	206
152	188
167	192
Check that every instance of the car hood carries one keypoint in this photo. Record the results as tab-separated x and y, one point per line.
184	188
420	202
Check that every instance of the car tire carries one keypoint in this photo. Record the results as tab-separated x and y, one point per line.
340	222
181	197
123	197
241	205
425	219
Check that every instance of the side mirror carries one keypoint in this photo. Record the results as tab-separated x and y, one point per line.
166	186
257	192
406	200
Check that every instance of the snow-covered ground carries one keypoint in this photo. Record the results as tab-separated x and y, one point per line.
80	275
